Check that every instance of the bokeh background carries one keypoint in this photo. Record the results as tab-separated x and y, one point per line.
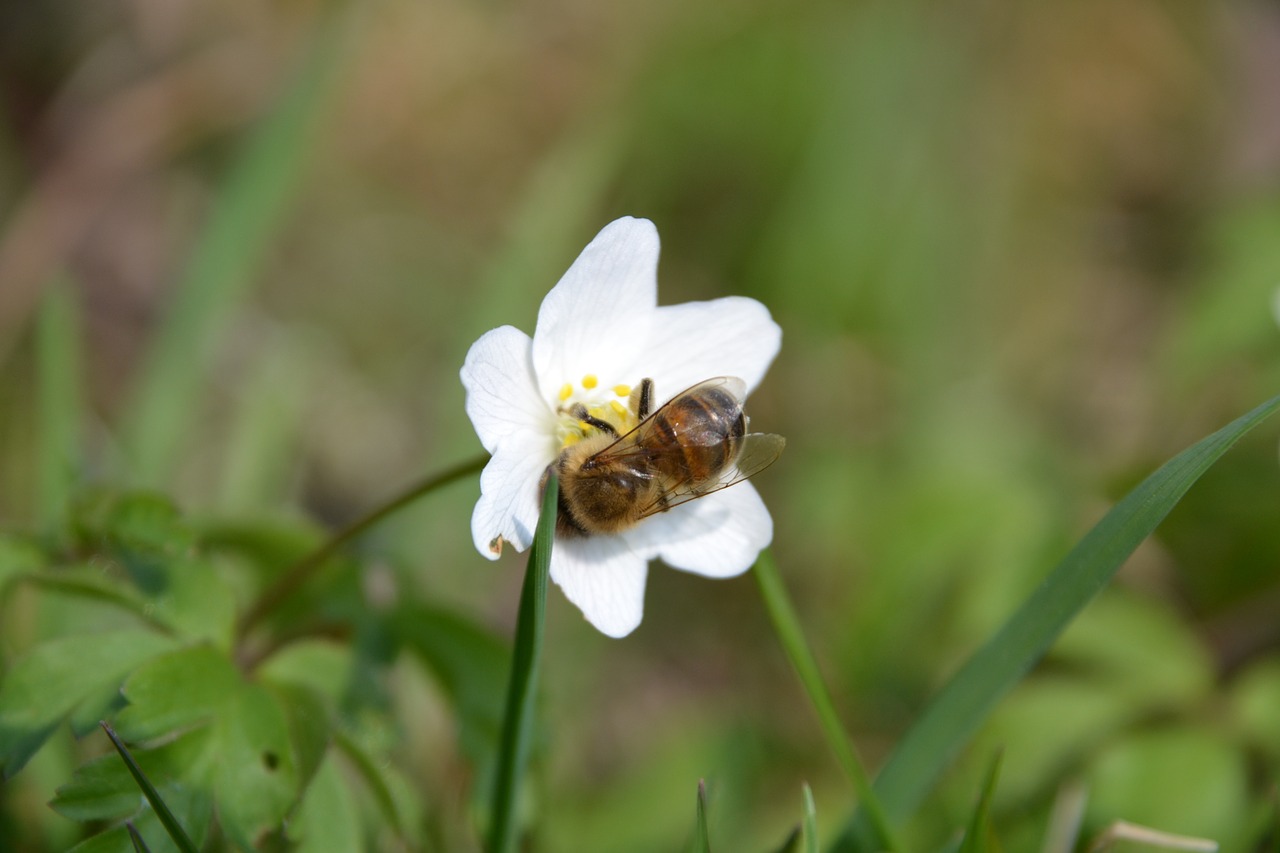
1021	255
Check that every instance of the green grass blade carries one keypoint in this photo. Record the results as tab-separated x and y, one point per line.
976	836
58	372
964	703
139	845
517	723
787	626
167	819
702	836
810	821
245	215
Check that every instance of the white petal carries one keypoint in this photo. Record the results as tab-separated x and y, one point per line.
597	318
604	578
693	341
502	396
718	536
509	494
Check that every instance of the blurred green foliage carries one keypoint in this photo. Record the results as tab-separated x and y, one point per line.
1021	255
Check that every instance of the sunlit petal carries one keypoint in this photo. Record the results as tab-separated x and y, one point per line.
509	505
502	397
718	536
733	336
605	579
597	319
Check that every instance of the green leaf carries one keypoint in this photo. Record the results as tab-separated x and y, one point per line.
471	665
177	691
310	726
328	820
322	666
103	789
256	774
171	825
517	723
968	698
701	835
977	837
47	685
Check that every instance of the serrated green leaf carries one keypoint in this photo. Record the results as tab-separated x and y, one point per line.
375	775
172	827
320	665
176	691
197	602
310	726
103	789
45	686
968	698
328	820
256	775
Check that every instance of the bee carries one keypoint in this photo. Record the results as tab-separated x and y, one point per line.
694	445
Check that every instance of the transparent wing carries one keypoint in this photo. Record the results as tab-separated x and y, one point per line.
627	449
759	451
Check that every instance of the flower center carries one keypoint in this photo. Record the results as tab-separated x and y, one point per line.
605	404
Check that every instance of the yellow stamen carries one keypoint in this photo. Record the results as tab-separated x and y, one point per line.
622	390
584	426
619	409
566	392
589	381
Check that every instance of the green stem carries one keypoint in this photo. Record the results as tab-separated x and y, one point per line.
517	722
787	626
300	572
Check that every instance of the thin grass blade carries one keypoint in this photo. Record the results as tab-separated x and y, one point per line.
976	837
58	372
810	821
170	823
702	835
971	694
139	846
517	723
787	626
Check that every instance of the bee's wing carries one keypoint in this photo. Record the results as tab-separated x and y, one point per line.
625	449
759	451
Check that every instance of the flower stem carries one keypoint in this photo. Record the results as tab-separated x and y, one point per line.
300	572
517	722
787	627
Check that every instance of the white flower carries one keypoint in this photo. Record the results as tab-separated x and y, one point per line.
601	332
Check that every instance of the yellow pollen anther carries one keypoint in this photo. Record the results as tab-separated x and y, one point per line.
566	391
584	426
622	390
618	408
589	381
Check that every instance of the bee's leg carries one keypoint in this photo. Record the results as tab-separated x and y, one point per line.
580	412
642	399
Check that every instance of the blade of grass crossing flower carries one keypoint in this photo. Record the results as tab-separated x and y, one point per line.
810	821
971	694
58	370
139	845
162	811
702	836
517	723
249	207
977	838
787	627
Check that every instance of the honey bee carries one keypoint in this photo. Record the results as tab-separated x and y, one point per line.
694	445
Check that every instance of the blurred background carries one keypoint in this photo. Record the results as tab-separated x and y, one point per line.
1021	254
